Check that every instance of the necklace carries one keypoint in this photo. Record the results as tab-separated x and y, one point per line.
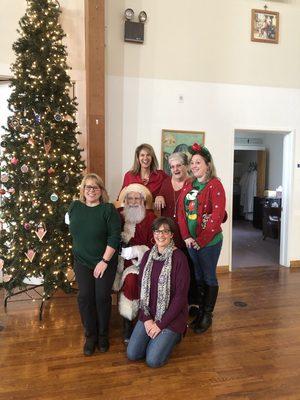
175	201
177	186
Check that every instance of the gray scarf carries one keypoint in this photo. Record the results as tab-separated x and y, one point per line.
164	281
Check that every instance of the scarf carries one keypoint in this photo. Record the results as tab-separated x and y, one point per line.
164	281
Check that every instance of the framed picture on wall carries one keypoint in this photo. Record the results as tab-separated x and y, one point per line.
173	141
265	26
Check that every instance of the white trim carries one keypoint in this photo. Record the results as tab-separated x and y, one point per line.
287	188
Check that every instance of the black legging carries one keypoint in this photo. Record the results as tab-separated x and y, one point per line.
94	299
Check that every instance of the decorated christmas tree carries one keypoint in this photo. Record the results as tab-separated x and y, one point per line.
41	165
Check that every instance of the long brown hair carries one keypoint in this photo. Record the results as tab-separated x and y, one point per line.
136	168
99	182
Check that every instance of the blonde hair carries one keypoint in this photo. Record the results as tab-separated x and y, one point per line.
136	168
99	182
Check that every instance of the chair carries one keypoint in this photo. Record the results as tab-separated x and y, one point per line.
271	222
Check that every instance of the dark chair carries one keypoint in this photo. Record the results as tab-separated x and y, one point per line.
271	222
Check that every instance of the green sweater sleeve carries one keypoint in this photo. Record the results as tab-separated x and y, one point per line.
114	226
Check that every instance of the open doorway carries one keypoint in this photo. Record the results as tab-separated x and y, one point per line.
259	181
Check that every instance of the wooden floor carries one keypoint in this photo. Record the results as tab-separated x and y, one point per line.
251	352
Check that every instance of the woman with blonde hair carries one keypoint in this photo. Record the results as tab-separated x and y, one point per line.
145	170
95	228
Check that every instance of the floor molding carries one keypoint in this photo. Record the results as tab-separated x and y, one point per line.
295	264
222	269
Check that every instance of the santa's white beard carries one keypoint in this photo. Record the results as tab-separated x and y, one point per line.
134	214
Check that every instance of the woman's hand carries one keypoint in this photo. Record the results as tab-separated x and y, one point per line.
154	331
148	325
191	243
159	203
100	269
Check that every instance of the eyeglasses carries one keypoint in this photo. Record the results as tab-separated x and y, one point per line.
162	231
94	188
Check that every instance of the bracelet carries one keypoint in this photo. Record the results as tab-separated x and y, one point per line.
105	261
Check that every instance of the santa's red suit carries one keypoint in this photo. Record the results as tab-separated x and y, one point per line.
138	238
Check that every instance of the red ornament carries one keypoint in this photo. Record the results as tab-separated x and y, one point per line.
27	226
51	171
14	161
2	191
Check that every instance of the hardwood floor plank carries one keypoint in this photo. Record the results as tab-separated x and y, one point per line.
251	352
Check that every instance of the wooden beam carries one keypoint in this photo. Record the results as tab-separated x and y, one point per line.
95	81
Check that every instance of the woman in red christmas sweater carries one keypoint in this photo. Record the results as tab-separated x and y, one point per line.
201	212
145	170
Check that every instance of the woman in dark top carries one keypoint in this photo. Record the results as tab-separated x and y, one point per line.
164	283
95	229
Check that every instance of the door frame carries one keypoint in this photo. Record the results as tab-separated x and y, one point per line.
287	188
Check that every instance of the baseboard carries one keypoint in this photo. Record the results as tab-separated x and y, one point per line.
295	264
221	269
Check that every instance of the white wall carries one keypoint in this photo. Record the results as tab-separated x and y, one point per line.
147	106
206	41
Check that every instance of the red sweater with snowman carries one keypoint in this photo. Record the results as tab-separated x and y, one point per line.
210	212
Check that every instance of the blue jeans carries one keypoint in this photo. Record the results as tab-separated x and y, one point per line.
156	351
205	263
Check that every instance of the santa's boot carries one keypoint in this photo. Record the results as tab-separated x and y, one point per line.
127	329
210	298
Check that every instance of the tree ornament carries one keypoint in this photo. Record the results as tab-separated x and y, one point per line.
24	168
47	145
35	203
13	122
41	231
6	277
12	190
30	254
14	161
31	141
57	117
3	143
54	197
2	191
23	121
51	171
4	178
27	226
67	178
1	263
37	119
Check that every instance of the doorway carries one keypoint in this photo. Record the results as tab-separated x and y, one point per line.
261	188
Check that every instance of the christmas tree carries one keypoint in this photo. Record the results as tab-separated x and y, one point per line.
41	165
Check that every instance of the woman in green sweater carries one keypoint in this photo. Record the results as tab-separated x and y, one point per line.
95	228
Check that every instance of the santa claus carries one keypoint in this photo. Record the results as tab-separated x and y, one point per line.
137	236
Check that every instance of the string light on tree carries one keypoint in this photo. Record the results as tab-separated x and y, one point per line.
40	151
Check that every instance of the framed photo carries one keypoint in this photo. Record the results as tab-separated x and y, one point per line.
173	141
265	26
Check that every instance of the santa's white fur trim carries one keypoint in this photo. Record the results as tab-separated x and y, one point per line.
128	308
128	231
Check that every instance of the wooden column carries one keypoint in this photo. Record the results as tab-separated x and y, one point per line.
95	81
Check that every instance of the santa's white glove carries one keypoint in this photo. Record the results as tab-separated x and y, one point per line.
134	252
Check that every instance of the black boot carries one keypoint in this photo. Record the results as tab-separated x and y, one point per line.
210	298
200	303
127	329
89	346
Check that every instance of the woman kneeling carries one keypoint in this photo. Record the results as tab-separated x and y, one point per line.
164	284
